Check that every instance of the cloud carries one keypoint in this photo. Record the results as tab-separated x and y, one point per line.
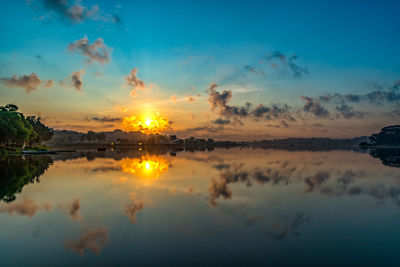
273	112
317	125
90	239
221	121
220	102
197	130
290	62
95	52
260	110
106	119
48	83
190	99
313	106
383	94
76	79
284	124
27	82
348	112
75	12
253	70
134	82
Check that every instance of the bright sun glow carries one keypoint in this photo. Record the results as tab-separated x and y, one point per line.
149	123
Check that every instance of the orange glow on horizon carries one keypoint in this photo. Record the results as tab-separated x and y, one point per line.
148	123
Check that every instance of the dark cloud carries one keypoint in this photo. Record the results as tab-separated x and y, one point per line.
222	166
196	130
91	239
97	51
383	94
313	106
76	79
317	125
348	112
106	119
27	82
289	62
134	82
284	124
221	121
260	110
116	19
273	112
342	102
253	70
75	12
220	102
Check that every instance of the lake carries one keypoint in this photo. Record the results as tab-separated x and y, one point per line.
234	207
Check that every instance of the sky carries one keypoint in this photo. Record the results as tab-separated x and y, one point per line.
238	70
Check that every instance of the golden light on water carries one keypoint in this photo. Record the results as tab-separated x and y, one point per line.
147	167
149	123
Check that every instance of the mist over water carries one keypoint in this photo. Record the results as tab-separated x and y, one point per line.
206	208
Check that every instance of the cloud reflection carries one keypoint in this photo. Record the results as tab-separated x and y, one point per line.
26	207
90	239
132	208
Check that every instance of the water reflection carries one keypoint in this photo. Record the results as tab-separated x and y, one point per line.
18	171
388	156
147	167
90	239
90	206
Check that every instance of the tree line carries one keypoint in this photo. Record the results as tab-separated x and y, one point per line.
18	130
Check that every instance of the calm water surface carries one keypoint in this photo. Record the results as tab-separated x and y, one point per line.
235	207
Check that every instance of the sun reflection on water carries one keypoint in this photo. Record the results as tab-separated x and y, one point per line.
147	167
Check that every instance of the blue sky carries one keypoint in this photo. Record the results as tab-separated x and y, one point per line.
180	47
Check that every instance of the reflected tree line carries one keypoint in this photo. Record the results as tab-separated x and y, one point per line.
389	157
18	171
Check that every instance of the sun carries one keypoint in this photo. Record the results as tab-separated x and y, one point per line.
149	123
